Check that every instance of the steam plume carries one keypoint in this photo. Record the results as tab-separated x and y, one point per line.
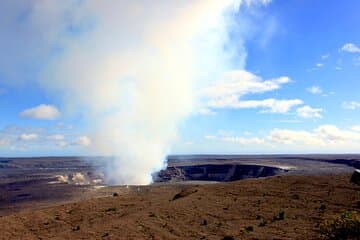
132	68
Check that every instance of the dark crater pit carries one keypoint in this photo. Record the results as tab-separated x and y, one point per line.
216	172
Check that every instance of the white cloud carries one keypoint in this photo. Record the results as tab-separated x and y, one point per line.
319	137
337	68
250	2
239	83
210	137
243	141
83	141
356	128
56	137
224	133
189	143
351	48
285	136
3	142
309	112
314	90
227	92
28	137
268	105
324	138
62	144
325	56
43	111
227	136
290	121
316	67
206	111
352	105
331	133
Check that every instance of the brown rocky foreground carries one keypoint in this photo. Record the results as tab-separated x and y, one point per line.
281	207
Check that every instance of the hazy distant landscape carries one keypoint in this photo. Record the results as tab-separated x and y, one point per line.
40	182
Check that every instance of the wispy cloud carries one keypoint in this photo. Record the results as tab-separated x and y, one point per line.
210	137
250	2
270	105
3	142
356	128
316	67
61	144
239	83
287	136
319	138
290	121
228	92
352	105
228	136
56	137
325	56
350	47
314	90
337	68
206	111
28	136
43	112
309	112
83	141
322	135
243	140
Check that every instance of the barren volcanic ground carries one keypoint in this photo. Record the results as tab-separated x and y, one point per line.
59	198
281	207
40	182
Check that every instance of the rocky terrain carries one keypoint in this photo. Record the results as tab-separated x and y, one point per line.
280	207
278	197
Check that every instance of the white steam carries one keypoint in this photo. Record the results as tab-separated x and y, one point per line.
79	178
132	67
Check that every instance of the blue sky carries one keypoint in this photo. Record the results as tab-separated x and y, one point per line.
291	86
304	34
